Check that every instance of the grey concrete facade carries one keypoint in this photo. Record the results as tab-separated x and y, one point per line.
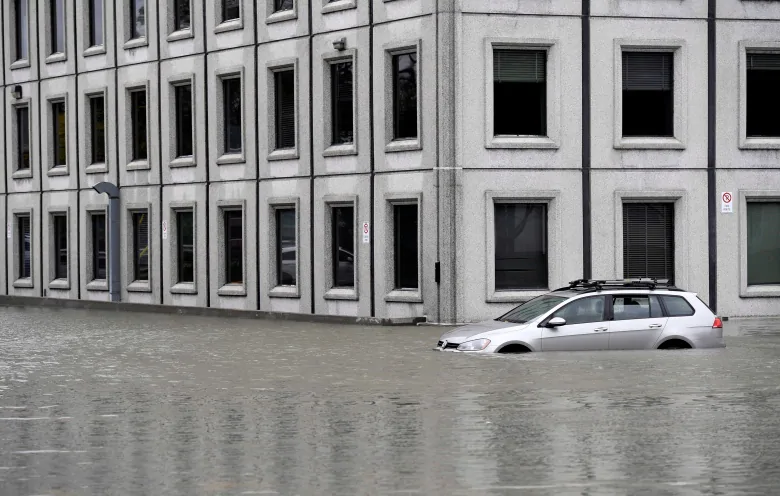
455	170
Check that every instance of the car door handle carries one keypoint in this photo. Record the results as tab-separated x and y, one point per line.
655	326
599	329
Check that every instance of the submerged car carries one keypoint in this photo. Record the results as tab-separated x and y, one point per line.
632	314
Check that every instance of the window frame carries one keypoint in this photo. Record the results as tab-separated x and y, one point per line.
55	279
177	286
53	55
225	155
17	147
275	153
674	248
133	159
611	305
91	32
94	283
746	47
329	266
54	141
231	288
18	61
393	144
274	16
276	289
175	27
134	39
134	266
221	17
749	196
330	6
20	279
92	165
605	312
177	127
328	61
544	242
392	292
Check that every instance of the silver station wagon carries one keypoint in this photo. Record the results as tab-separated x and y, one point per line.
632	314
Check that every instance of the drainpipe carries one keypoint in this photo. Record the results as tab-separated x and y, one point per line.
113	236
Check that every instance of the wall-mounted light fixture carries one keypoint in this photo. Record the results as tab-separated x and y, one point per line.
340	45
17	92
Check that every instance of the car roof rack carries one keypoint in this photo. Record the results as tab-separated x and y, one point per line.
639	283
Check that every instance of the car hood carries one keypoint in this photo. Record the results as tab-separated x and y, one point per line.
462	334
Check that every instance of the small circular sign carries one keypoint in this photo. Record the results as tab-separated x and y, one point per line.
726	197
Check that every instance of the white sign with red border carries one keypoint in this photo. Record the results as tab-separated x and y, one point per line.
165	229
726	203
366	232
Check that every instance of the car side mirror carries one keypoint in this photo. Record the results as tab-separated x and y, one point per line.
556	322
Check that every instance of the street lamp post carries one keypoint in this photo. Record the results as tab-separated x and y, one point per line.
113	236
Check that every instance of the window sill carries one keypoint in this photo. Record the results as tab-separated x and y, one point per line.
231	158
349	294
515	296
183	34
98	285
138	165
284	292
182	162
340	150
139	287
20	64
763	291
404	296
765	143
59	284
56	58
24	283
59	170
649	143
339	5
283	154
281	16
22	174
95	50
231	25
403	145
522	142
232	290
96	169
136	43
187	288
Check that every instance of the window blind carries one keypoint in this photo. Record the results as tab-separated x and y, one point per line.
763	62
649	71
648	240
519	66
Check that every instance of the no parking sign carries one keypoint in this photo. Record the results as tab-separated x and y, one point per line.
726	203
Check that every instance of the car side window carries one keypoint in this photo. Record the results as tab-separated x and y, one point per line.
633	307
583	311
676	306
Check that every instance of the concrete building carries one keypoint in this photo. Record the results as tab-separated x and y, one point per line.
390	158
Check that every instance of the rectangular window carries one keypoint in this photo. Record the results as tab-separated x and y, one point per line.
57	28
137	19
284	91
183	120
23	138
140	246
521	246
286	249
405	96
59	133
636	307
95	23
97	129
230	10
60	225
185	246
763	243
519	92
341	103
280	5
234	247
181	15
231	93
343	237
648	240
98	247
21	25
138	123
24	243
406	246
763	99
648	94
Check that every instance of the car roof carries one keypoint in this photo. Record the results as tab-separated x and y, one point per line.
582	286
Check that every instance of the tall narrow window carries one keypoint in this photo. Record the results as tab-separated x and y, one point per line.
280	5
343	237
231	92
24	246
140	245
138	122
57	29
648	94
60	260
23	138
763	243
21	25
284	91
405	96
521	246
648	240
59	133
137	19
286	249
230	10
520	92
185	246
341	103
763	99
181	15
98	247
95	23
406	246
234	247
183	120
97	129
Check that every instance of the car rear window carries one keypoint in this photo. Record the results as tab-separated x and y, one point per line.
677	306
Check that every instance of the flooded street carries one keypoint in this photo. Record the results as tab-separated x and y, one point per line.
115	403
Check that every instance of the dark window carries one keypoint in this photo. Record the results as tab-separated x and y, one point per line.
343	247
284	91
234	247
648	240
57	14
59	133
181	15
583	311
763	243
521	246
97	129
21	18
677	306
140	246
24	240
520	92
763	99
230	10
648	94
95	23
635	307
137	19
406	246
231	92
341	103
138	117
98	247
405	96
183	120
60	224
280	5
286	249
23	138
185	248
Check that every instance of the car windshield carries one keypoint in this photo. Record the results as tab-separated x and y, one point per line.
531	309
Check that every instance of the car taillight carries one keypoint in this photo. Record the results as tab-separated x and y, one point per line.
718	324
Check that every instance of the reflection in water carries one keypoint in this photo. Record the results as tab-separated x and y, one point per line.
99	403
